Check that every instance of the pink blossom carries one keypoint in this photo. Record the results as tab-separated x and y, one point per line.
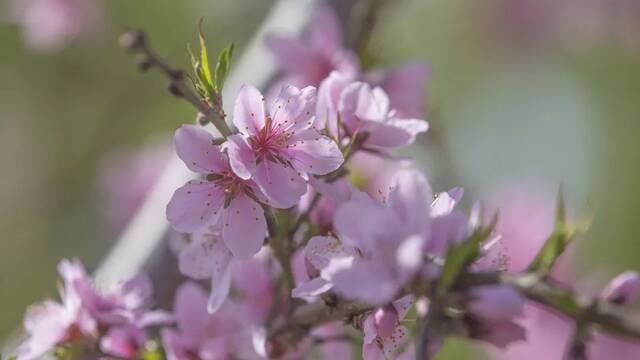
279	150
363	109
122	313
384	336
379	246
492	314
200	334
307	61
623	289
49	25
125	179
220	198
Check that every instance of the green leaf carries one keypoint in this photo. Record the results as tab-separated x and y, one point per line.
223	65
203	71
564	232
460	256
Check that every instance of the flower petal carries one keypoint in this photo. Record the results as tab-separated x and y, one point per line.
281	184
294	108
313	153
220	285
194	205
244	227
321	249
248	111
366	281
241	158
195	147
411	198
329	93
365	223
311	289
204	255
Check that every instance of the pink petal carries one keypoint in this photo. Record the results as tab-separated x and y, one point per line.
241	158
366	281
204	255
445	230
313	153
136	292
174	345
446	201
386	319
359	102
406	88
411	198
294	108
244	227
220	284
325	30
503	333
496	302
291	54
195	147
282	185
311	289
386	135
248	111
393	343
321	249
190	308
403	305
364	223
194	206
328	98
412	126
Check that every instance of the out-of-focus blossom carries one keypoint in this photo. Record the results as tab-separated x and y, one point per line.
379	246
307	61
200	334
623	289
492	311
525	220
49	25
220	198
122	314
384	336
280	150
125	179
363	109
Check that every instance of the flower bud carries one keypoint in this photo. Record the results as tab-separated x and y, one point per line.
623	289
386	320
132	39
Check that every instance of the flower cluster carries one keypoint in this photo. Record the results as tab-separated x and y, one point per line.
109	324
291	241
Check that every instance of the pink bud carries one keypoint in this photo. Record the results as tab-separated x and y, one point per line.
386	319
623	289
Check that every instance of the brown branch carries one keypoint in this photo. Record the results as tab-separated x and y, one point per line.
616	319
137	42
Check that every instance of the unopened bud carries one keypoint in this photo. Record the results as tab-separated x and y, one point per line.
623	289
174	89
132	39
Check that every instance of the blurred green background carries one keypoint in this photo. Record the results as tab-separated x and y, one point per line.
508	102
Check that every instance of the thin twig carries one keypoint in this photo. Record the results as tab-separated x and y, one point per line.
136	40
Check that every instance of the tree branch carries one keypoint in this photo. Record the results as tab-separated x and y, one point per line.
615	319
136	41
